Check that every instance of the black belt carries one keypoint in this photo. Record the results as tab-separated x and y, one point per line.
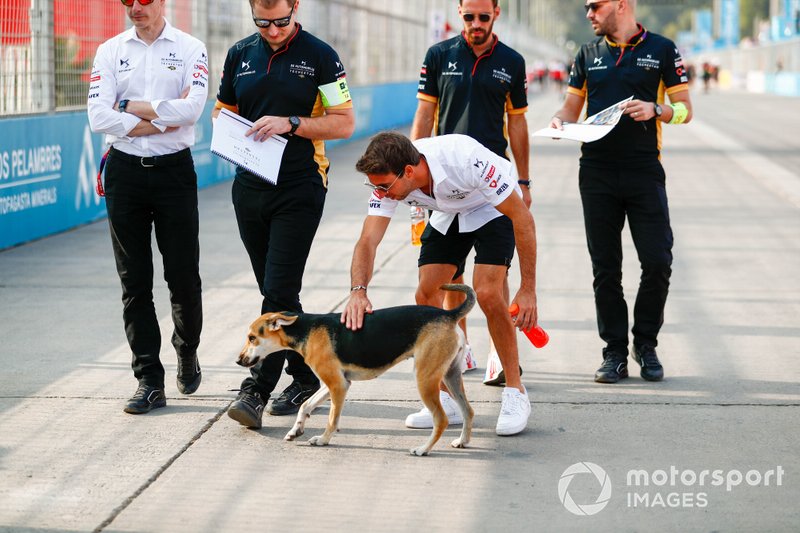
168	160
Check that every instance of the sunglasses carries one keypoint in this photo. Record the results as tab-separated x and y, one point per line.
382	188
483	17
594	6
279	23
129	3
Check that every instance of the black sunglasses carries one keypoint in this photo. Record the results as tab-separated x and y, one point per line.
483	17
594	6
280	23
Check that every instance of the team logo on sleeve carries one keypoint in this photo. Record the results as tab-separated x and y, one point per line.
94	81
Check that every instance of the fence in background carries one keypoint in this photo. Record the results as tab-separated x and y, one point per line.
47	46
48	161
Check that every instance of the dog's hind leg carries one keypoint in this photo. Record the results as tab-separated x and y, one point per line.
428	380
305	412
338	391
455	384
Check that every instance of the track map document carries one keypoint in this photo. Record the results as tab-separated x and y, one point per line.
593	128
228	141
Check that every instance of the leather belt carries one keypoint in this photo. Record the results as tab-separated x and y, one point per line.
168	160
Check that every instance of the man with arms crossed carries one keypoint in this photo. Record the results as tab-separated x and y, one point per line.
147	90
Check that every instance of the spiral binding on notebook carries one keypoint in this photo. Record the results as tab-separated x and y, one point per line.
251	171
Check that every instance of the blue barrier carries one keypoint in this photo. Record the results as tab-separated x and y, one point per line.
48	164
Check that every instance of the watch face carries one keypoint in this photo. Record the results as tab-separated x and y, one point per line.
294	121
658	110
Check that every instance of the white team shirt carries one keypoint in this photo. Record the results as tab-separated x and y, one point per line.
125	67
468	181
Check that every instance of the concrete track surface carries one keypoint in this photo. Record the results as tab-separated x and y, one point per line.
71	460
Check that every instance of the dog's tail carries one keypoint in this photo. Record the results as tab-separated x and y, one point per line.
462	310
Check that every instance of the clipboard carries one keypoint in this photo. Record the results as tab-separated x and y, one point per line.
228	141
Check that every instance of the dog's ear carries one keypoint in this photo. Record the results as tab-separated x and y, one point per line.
280	321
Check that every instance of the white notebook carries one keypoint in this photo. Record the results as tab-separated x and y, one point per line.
229	142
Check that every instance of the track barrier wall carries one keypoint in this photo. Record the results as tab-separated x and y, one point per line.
48	164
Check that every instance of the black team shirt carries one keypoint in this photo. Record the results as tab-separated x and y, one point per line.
646	67
301	78
473	93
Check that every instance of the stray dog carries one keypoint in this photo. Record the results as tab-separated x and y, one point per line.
339	356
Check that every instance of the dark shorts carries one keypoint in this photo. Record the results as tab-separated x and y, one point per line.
493	243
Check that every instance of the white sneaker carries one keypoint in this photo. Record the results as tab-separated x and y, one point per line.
469	362
424	419
514	412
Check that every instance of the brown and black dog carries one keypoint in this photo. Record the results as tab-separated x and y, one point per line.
339	356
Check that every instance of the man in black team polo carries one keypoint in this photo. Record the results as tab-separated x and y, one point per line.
474	85
288	83
621	175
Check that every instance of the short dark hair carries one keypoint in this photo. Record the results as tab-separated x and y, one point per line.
494	3
269	4
388	152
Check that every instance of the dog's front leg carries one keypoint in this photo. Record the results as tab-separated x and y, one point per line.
338	391
305	412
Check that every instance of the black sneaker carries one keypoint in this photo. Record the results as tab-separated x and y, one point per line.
646	356
145	399
247	409
614	368
291	399
189	374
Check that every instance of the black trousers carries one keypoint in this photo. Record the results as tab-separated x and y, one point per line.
608	197
139	198
277	227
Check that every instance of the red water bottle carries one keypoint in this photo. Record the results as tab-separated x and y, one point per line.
536	335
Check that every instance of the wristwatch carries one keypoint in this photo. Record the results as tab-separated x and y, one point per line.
295	122
123	105
657	109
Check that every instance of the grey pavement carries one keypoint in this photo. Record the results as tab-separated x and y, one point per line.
706	438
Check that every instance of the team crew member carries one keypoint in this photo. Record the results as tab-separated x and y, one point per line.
475	85
476	203
288	83
147	90
621	175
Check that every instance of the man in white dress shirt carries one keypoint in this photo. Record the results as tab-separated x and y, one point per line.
476	203
148	88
